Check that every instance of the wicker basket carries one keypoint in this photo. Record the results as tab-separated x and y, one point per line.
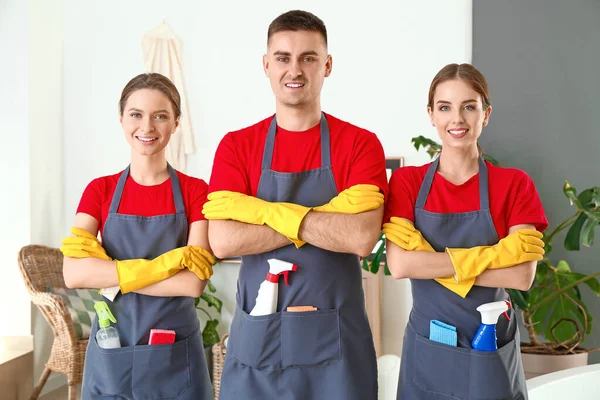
219	350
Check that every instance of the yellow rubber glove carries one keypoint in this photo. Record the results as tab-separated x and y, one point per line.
137	274
403	234
285	218
83	245
200	262
354	200
521	246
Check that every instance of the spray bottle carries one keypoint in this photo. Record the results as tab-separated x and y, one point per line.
268	292
485	339
107	336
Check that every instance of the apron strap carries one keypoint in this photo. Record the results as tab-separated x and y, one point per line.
175	186
270	144
116	200
426	185
484	199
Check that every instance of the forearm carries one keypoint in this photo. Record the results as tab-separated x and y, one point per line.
89	273
343	233
183	283
517	277
233	238
417	264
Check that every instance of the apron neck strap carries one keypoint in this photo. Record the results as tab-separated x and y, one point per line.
270	144
175	186
484	200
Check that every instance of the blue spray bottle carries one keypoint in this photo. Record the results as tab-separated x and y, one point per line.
485	338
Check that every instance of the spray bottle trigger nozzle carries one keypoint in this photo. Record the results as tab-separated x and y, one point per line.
286	274
285	277
505	313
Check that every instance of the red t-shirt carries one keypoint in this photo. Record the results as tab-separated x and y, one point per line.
145	201
356	156
513	197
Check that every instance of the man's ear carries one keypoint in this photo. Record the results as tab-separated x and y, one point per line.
265	65
328	65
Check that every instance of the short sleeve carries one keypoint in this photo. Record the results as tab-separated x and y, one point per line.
368	166
526	207
229	172
199	191
402	196
91	200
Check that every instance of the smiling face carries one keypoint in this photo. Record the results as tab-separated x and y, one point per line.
458	113
296	64
148	121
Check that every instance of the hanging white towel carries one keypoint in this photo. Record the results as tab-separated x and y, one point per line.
161	52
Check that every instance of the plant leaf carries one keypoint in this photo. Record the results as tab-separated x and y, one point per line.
588	232
563	266
590	198
518	299
491	159
432	147
210	336
212	301
573	238
592	283
386	270
571	194
211	286
365	263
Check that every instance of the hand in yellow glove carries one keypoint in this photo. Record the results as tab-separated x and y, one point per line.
403	234
285	218
137	274
354	200
83	245
200	262
521	246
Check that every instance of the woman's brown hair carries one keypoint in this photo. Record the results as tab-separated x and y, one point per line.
154	81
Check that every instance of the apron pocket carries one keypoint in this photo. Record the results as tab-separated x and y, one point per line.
258	342
109	372
310	338
495	374
442	369
161	371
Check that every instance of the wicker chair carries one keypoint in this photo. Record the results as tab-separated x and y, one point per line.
41	267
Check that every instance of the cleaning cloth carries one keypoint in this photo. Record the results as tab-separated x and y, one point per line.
442	333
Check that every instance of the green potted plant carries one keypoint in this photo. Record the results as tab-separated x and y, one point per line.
210	336
553	311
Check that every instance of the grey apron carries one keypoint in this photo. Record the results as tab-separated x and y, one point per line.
324	354
431	370
136	370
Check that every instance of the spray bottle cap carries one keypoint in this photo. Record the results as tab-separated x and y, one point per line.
491	311
104	314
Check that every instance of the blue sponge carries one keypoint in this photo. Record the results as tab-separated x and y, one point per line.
442	333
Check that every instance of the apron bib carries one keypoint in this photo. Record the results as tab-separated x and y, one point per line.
324	354
136	370
431	370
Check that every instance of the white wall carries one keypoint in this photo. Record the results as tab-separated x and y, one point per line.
15	165
385	54
46	149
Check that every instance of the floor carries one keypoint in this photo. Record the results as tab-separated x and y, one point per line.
59	394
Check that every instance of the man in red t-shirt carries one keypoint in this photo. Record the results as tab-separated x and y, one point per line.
306	188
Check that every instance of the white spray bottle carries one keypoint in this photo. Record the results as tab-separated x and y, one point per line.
485	339
268	292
